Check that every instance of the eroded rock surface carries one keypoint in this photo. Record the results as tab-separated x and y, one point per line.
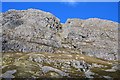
93	37
38	31
30	31
35	44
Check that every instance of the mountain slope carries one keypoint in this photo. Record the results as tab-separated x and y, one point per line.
38	31
35	44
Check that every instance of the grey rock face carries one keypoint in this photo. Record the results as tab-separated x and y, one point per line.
64	65
8	74
94	37
46	69
30	31
37	31
89	74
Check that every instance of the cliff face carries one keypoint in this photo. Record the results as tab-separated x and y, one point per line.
37	31
30	31
81	48
94	37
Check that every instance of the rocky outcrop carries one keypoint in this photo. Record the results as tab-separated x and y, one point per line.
30	31
45	65
94	37
37	31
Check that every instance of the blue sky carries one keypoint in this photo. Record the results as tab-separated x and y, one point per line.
82	10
